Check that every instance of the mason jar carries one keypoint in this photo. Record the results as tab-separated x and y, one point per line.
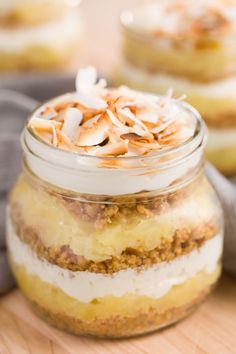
114	246
191	48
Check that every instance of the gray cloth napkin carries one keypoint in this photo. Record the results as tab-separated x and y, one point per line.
12	119
14	111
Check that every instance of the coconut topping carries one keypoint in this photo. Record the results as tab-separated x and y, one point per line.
121	122
181	18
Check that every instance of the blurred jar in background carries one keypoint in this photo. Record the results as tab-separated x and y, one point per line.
190	47
39	34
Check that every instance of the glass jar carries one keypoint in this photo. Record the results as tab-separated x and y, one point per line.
200	65
115	251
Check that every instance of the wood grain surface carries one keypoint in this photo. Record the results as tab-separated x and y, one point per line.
210	330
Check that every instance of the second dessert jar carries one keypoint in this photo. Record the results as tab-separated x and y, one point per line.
189	46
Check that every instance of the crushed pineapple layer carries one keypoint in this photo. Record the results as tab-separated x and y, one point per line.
218	110
209	60
113	315
38	57
57	225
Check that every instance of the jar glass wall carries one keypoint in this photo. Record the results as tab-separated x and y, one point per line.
138	250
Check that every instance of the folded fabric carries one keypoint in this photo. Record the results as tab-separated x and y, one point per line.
14	111
6	278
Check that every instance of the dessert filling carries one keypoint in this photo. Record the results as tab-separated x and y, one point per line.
56	33
183	19
85	286
213	89
123	234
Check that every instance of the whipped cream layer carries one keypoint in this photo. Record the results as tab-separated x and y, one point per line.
183	18
224	88
154	282
82	175
56	34
221	139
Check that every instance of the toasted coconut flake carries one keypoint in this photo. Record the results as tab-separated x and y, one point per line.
87	89
91	102
71	124
88	123
115	122
114	136
95	134
45	136
86	82
161	127
41	124
137	140
147	145
148	115
127	113
54	136
63	139
115	149
48	113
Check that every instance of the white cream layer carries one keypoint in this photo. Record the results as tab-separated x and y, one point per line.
58	33
153	282
221	139
82	175
161	82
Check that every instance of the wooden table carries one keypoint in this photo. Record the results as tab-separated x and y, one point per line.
210	330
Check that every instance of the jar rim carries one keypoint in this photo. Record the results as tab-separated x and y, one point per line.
115	175
199	137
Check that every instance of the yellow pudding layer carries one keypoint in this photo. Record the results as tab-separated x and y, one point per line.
224	159
62	226
32	13
210	59
114	316
38	57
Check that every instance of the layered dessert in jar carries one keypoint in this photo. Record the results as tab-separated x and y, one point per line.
189	46
39	34
113	229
